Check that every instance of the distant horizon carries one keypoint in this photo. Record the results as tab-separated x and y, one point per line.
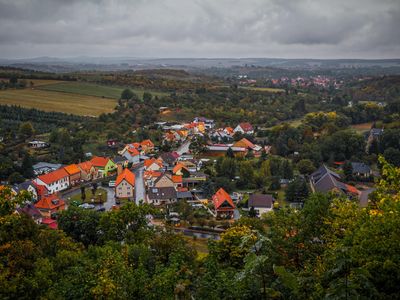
192	57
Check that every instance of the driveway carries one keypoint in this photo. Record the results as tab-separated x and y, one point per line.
140	191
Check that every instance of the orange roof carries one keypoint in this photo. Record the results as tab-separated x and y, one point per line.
229	130
126	175
53	176
246	126
352	189
150	161
149	173
147	143
178	167
99	161
72	169
85	166
220	197
133	151
50	202
245	142
176	179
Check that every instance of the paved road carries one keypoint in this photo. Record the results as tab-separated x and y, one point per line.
140	191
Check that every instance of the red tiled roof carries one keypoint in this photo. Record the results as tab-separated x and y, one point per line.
246	126
41	189
220	197
245	142
53	176
85	166
52	224
149	173
147	143
176	179
50	202
133	151
126	175
178	167
352	189
150	161
72	169
229	130
99	161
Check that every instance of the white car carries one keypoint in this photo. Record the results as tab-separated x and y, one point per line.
87	206
111	183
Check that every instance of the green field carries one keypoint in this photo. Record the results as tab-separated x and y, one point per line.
91	89
264	89
100	196
83	88
77	104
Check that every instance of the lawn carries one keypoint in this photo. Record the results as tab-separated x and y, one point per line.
91	89
100	196
55	101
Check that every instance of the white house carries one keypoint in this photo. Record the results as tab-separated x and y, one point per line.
244	128
55	181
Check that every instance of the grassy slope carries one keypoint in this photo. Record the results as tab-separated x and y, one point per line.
84	89
92	89
56	101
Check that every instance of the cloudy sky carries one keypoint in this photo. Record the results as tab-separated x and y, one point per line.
200	28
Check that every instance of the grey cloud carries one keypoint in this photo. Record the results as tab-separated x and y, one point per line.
302	28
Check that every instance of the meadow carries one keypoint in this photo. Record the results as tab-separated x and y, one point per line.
78	104
91	89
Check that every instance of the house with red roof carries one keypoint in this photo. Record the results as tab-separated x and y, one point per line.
55	181
147	146
244	128
150	177
131	152
125	185
153	164
74	174
245	143
223	204
181	170
103	165
88	171
50	205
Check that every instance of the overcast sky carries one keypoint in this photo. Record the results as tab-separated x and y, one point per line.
200	28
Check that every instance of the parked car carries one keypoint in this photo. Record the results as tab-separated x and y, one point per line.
111	183
87	206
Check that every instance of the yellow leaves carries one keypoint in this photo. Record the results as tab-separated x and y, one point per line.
375	212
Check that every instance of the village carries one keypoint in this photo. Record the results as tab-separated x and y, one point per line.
141	173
